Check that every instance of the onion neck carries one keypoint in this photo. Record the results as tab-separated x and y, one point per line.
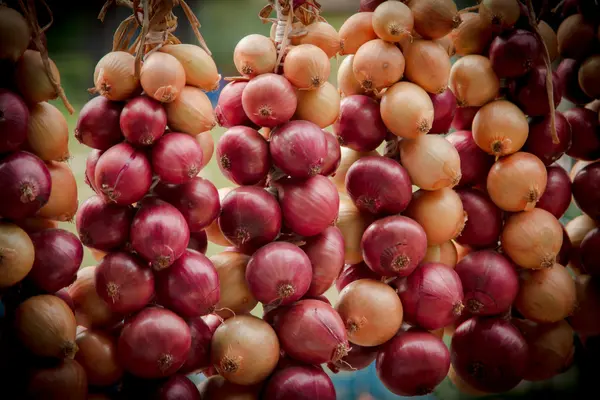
70	349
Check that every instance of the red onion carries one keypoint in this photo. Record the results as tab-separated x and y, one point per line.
432	296
64	295
463	119
190	287
58	256
354	272
143	121
202	330
530	93
229	110
359	357
489	354
369	5
90	169
484	219
178	387
103	226
379	185
14	117
588	252
539	142
197	200
444	107
326	255
586	137
308	206
557	196
413	363
250	217
474	162
243	156
269	100
299	149
334	155
98	123
279	272
586	190
154	343
159	233
176	158
359	125
298	383
567	72
394	246
26	184
198	242
123	174
514	54
313	332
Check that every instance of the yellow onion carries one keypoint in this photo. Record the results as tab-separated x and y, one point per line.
32	80
473	81
347	82
472	36
589	76
445	253
235	296
62	204
501	14
500	128
191	112
431	161
322	35
207	144
306	67
320	106
356	31
348	158
434	18
393	20
14	32
428	65
200	69
352	223
407	110
48	133
16	254
162	77
114	76
255	55
90	310
550	39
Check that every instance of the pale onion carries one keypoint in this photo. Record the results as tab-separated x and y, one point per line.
306	67
393	20
191	112
500	128
322	35
320	106
48	133
347	82
200	68
428	65
407	110
516	182
356	31
32	80
439	212
473	81
352	224
114	76
378	65
472	36
235	295
502	14
434	18
162	77
348	158
62	204
550	39
15	34
255	55
445	253
213	232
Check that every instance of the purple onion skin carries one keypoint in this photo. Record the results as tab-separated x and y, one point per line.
143	121
359	125
413	363
515	54
567	72
177	158
178	387
586	190
300	383
490	354
585	130
13	121
358	358
463	119
243	156
198	242
202	330
484	219
379	185
557	196
530	92
474	162
354	272
334	155
98	125
326	255
444	106
103	226
540	142
229	110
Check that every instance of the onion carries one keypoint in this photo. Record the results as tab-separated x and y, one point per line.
269	100
516	183
200	69
213	232
178	387
547	295
576	37
46	326
568	75
584	190
159	233
198	242
245	350
334	155
371	312
124	282
358	358
427	65
550	39
300	382
352	224
564	256
378	65
474	163
356	31
432	296
578	166
322	35
217	387
588	80
359	125
90	169
445	253
500	128
103	226
16	254
473	81
98	123
16	32
123	174
62	204
98	356
32	79
585	140
90	310
154	343
202	330
444	106
576	230
434	19
143	121
191	112
66	380
515	54
320	106
48	133
114	76
407	110
531	95
326	255
229	110
207	144
15	116
489	354
532	239
393	21
394	246
307	67
162	77
235	295
585	319
298	148
348	157
255	55
588	252
483	220
502	14
557	196
36	224
348	85
176	158
413	363
197	200
539	141
472	36
463	120
354	272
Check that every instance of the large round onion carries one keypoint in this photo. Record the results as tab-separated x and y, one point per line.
320	106
378	65
500	128
356	31
427	65
473	81
235	295
306	66
191	112
103	226
298	148
269	100
255	55
176	158
407	110
16	254
359	125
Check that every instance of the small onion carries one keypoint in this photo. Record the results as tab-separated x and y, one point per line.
320	106
235	295
500	128
16	254
473	81
98	356
474	162
427	65
356	31
378	65
255	55
557	196
307	67
32	79
515	54
269	100
539	141
15	32
407	110
103	226
176	158
444	106
322	35
483	219
90	310
200	69
359	125
98	125
67	380
568	75
502	14
576	37
229	110
15	117
191	112
298	148
62	204
472	36
347	83
353	224
162	77
584	190
48	133
143	121
114	76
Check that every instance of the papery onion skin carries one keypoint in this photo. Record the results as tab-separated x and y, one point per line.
428	65
540	143
235	295
143	121
515	54
114	76
371	65
326	254
98	124
98	356
103	226
473	81
269	100
483	220
298	148
162	77
557	196
356	31
229	110
444	106
359	125
500	128
474	162
15	118
16	254
62	204
417	116
300	382
191	112
255	55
